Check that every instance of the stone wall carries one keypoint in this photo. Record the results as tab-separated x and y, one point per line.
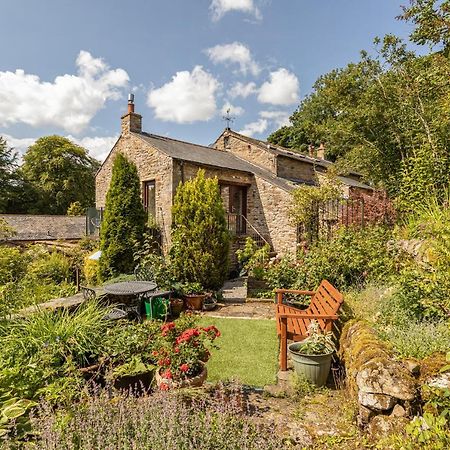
249	152
295	169
267	204
151	165
29	227
272	216
385	388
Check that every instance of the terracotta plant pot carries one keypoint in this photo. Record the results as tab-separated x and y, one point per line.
194	302
196	381
176	306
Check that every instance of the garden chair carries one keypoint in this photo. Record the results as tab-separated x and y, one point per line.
292	323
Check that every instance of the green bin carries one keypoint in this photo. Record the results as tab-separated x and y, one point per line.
157	308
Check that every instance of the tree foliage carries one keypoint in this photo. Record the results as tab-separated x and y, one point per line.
123	225
8	165
200	238
387	116
432	22
61	173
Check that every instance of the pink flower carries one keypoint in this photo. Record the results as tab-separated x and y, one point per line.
184	367
164	387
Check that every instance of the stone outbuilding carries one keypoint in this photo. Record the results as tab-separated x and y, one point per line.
256	179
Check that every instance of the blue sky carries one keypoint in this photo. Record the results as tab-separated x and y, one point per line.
66	66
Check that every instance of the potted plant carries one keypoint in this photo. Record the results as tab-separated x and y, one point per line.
134	374
312	356
176	299
194	295
182	355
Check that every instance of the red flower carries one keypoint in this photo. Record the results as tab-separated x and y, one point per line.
166	328
176	349
167	374
154	353
164	362
184	367
164	387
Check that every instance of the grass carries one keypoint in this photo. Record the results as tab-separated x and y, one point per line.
248	351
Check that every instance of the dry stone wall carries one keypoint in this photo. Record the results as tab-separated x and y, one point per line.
382	385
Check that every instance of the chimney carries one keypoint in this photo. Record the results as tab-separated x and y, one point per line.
131	122
311	150
321	151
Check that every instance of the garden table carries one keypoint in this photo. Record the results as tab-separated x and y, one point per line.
129	288
137	289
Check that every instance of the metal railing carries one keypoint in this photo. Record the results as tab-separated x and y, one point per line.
239	225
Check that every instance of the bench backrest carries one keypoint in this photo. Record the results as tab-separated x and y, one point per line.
326	300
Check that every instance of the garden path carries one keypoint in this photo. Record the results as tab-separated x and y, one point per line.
236	305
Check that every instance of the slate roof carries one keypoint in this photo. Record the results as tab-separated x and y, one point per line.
186	151
282	151
30	227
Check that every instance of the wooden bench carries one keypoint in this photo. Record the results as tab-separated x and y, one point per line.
292	323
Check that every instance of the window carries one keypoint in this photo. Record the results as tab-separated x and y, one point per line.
149	199
226	142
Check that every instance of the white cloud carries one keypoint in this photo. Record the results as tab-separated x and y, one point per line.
242	90
98	147
20	145
253	128
69	102
189	97
232	110
220	7
235	52
280	118
282	89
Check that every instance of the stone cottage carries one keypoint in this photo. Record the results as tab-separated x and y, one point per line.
256	179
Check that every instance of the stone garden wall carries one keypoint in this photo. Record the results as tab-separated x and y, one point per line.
386	389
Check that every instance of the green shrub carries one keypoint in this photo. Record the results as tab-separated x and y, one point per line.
124	220
415	339
200	238
353	257
39	351
13	264
252	258
91	272
76	209
282	273
54	266
425	293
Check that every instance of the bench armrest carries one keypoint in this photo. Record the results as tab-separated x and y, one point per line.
308	316
279	293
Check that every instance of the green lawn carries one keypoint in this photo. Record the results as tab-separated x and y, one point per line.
248	351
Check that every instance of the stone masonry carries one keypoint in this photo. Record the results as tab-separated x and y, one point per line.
263	171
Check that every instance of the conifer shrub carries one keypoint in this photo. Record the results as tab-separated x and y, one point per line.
124	220
200	237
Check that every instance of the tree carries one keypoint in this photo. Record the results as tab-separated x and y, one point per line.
387	117
8	166
75	209
123	225
61	172
200	237
432	22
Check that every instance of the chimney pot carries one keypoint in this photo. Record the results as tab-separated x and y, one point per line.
131	122
130	103
321	151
